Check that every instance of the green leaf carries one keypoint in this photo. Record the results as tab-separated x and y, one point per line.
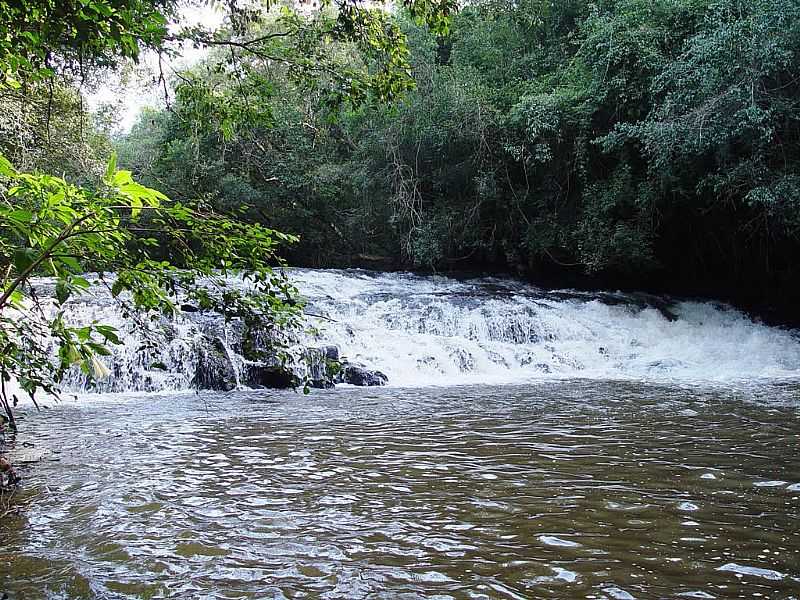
99	349
23	258
21	216
63	291
111	168
80	282
6	168
109	333
71	262
117	287
120	178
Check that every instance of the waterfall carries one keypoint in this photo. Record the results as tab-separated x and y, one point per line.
435	330
429	330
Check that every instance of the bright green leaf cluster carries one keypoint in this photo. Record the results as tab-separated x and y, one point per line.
123	232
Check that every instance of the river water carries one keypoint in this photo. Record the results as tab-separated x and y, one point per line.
666	465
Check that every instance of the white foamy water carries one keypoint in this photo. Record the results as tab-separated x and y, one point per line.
439	331
423	331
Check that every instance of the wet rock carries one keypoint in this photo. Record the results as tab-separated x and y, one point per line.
321	384
568	361
8	477
666	364
214	370
264	375
663	305
462	359
257	341
322	365
330	352
361	376
497	359
428	361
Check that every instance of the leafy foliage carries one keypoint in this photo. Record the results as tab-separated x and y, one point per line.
632	142
39	38
122	231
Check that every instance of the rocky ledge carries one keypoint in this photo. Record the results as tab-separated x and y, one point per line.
223	369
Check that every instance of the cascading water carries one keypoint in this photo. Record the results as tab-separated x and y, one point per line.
433	330
439	331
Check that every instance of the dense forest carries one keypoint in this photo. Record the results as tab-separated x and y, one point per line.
647	144
70	212
622	143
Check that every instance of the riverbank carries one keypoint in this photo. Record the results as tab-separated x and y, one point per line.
9	478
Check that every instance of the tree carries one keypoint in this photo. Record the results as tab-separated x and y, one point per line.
125	231
46	128
120	230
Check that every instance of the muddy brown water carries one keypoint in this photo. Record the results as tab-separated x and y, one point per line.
573	489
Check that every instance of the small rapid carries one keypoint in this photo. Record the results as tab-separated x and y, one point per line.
432	330
441	331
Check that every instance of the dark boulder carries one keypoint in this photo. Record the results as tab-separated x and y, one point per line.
215	370
361	376
264	375
322	366
330	352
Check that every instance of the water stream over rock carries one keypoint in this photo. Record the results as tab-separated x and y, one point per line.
529	444
418	331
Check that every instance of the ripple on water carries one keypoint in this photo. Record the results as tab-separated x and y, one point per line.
618	593
752	571
564	490
551	540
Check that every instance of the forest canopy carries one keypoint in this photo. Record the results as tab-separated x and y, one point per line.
67	209
621	143
628	143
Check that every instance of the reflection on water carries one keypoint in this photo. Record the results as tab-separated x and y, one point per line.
569	490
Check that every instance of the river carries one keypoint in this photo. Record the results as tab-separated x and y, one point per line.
657	456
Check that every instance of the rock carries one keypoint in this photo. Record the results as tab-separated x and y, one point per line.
666	364
330	352
257	342
264	375
361	376
428	361
463	359
214	370
497	359
8	477
323	366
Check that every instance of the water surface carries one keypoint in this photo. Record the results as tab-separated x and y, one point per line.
564	489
